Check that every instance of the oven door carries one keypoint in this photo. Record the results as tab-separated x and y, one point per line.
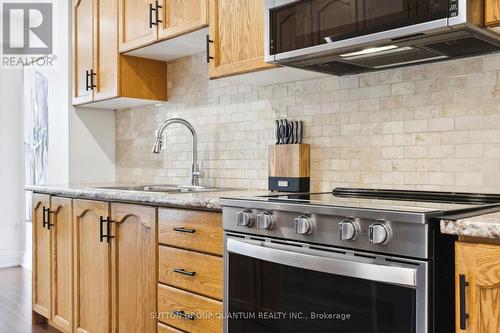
300	27
285	288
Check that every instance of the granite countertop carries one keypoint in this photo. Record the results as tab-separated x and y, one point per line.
190	200
484	226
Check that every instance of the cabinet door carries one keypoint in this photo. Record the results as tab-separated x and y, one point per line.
182	16
83	50
41	256
135	28
92	261
134	249
479	265
106	49
492	13
62	263
237	31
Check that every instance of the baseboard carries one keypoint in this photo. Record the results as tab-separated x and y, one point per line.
11	260
26	261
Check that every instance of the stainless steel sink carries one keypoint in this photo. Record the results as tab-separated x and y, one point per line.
163	188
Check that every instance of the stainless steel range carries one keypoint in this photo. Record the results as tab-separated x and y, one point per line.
352	260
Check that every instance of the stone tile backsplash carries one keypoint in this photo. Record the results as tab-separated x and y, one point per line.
433	127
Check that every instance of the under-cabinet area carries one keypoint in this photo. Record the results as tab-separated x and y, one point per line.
105	267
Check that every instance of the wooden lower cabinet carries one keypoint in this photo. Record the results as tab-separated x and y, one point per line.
134	249
62	264
190	270
167	329
41	297
192	230
478	265
189	312
93	264
96	267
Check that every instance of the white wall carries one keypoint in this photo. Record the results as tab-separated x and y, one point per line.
91	146
11	167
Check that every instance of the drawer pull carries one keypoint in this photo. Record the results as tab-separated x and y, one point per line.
186	230
183	271
184	315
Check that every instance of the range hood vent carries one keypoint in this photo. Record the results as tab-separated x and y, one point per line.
467	46
407	56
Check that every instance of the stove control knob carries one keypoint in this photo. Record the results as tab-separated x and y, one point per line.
303	225
347	230
245	218
378	233
265	220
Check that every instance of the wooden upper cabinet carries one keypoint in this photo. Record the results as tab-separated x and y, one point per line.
41	256
92	269
83	49
134	248
237	32
492	13
62	264
136	18
479	266
106	61
102	77
182	16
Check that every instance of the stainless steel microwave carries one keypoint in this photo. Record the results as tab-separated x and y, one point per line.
353	36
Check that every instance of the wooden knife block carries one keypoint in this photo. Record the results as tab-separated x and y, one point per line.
289	168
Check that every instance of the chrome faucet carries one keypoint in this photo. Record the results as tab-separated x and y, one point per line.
157	147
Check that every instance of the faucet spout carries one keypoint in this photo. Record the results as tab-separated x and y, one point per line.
157	147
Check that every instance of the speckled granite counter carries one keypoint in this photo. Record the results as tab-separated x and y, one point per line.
198	200
485	226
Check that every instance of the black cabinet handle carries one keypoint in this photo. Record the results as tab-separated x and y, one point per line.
108	229
87	88
92	75
184	272
101	229
157	12
151	9
208	41
106	236
185	230
184	315
49	225
463	310
44	220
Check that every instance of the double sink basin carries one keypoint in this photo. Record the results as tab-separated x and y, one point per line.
163	188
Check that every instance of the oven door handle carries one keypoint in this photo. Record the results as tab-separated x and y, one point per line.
288	255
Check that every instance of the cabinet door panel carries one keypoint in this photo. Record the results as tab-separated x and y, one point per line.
41	257
182	16
92	269
492	11
83	49
135	266
106	50
237	31
62	263
480	265
134	27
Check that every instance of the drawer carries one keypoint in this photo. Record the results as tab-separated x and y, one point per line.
192	230
192	271
167	329
206	313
